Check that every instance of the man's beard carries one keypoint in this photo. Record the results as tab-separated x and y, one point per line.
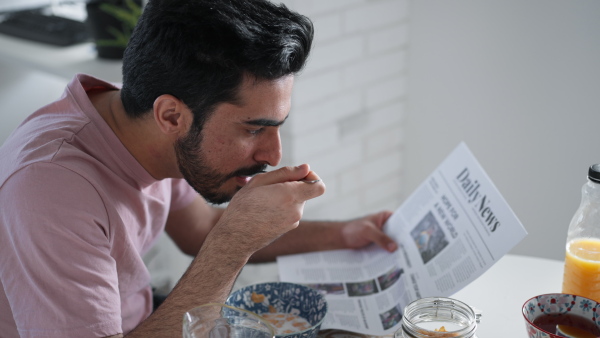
196	171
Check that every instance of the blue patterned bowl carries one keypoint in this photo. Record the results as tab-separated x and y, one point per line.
295	299
555	306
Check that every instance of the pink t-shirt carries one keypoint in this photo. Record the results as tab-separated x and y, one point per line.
77	212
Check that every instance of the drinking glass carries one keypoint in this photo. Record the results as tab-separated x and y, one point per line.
215	320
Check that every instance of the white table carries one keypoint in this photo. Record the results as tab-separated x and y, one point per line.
499	293
502	290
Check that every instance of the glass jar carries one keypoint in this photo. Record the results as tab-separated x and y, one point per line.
422	317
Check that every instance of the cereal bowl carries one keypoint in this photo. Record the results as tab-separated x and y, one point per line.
558	315
287	306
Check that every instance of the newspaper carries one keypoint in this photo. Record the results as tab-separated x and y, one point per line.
450	230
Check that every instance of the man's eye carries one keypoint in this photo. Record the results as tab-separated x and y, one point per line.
256	131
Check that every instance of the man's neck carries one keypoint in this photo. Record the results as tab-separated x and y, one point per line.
137	135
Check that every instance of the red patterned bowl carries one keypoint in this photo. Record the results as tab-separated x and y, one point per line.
544	312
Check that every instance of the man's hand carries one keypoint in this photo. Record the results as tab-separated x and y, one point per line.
270	205
363	231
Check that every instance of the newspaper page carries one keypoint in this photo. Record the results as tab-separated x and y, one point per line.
450	230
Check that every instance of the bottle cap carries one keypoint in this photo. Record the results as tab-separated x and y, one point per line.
594	173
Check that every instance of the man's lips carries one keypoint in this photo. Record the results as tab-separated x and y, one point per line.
243	180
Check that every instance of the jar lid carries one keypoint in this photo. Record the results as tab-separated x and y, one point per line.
594	173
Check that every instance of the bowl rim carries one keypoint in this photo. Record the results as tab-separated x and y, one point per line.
217	304
295	284
524	308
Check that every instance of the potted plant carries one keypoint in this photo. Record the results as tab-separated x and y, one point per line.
111	23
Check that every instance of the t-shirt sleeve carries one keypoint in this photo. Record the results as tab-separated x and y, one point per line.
182	194
57	269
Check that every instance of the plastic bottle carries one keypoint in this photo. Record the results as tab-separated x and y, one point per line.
582	261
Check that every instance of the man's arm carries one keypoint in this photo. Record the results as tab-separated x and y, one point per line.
268	206
188	227
312	236
209	279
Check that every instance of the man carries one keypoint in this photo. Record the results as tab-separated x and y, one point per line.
89	181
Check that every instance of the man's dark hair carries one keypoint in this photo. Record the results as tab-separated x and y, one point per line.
200	50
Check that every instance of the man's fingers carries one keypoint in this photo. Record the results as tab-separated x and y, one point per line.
385	242
312	177
375	235
305	182
285	174
382	239
385	215
309	191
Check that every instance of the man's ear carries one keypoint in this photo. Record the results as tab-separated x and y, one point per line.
172	116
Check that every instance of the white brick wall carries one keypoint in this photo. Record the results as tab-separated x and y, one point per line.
348	105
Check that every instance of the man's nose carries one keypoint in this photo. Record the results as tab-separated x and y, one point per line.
269	151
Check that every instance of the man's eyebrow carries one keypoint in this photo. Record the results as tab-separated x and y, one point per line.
266	122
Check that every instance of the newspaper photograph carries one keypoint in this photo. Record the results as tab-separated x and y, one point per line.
450	230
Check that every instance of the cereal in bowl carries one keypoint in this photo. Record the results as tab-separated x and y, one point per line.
286	322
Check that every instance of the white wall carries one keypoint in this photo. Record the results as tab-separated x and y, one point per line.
348	105
519	81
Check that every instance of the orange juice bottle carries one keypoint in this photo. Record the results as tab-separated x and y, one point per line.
582	259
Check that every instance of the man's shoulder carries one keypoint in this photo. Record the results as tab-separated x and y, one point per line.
40	137
38	156
43	179
48	194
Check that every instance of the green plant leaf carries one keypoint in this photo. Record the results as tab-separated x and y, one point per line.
128	16
124	15
120	40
